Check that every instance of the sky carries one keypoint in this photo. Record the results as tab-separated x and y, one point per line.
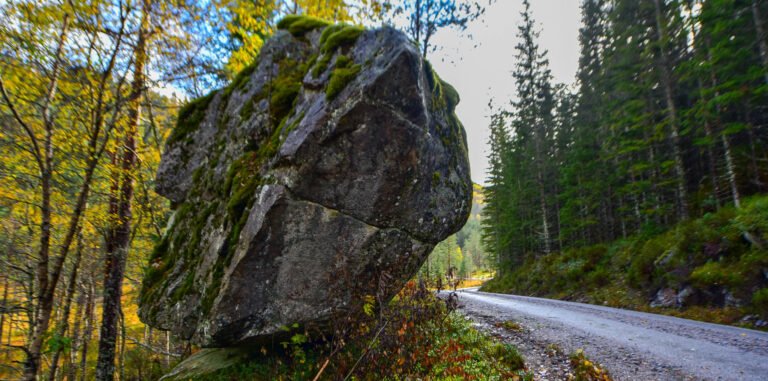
480	68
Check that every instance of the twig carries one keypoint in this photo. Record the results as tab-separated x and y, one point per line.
322	368
153	349
366	350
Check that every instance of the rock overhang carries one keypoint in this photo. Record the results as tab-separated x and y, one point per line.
274	202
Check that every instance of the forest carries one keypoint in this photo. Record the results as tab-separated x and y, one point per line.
649	175
90	93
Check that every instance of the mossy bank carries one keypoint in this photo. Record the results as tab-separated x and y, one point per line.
713	268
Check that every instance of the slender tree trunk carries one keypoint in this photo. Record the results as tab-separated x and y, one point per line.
558	223
761	43
622	219
121	358
48	277
712	163
120	235
730	166
71	288
89	322
43	314
4	304
544	222
77	340
167	362
539	162
32	311
666	76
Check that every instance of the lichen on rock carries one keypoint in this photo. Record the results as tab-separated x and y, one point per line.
326	171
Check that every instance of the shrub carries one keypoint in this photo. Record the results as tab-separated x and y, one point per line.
716	274
642	266
599	277
415	336
760	302
586	370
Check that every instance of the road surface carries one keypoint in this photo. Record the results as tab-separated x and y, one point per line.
631	345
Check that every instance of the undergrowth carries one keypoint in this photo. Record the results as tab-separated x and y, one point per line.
416	336
721	259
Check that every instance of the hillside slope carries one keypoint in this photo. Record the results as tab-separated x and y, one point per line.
713	268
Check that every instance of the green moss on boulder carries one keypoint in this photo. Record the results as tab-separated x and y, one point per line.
190	117
344	72
339	35
299	25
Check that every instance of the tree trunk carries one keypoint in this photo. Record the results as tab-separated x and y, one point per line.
167	362
119	236
666	76
67	306
731	171
77	340
43	314
544	222
761	44
89	322
121	358
4	304
730	166
48	277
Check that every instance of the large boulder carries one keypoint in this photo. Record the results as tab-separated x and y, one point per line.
323	174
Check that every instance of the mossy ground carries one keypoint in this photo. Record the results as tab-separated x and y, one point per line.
710	254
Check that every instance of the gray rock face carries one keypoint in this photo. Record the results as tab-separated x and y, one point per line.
326	172
665	297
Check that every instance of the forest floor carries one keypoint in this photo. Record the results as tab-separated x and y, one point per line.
631	345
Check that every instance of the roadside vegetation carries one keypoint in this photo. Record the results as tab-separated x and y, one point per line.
416	336
713	268
587	370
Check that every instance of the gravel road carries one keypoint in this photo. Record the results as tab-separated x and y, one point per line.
631	345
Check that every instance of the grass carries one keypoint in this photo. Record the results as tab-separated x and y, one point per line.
510	325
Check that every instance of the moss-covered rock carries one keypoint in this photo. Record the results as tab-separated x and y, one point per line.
343	72
189	118
332	159
339	35
299	25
